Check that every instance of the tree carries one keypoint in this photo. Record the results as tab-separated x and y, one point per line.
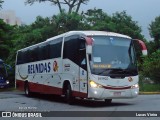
96	19
125	25
5	39
118	22
154	29
151	66
1	2
72	4
64	22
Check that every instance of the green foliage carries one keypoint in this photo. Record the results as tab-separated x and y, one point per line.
118	22
5	39
151	46
150	88
96	19
151	66
1	2
154	29
125	25
64	22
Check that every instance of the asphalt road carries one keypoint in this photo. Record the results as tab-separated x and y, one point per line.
17	101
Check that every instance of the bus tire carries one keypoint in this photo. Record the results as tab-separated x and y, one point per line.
108	101
68	95
27	90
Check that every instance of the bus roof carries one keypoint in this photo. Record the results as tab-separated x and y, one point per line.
90	33
84	33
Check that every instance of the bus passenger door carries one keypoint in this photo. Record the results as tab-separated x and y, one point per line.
82	68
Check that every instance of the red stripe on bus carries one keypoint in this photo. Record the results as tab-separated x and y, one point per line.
20	85
35	87
45	89
79	94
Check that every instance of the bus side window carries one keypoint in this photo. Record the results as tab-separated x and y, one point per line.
26	56
55	47
82	55
19	58
43	52
71	49
34	54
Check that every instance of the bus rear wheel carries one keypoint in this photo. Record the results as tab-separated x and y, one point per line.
68	95
108	101
27	90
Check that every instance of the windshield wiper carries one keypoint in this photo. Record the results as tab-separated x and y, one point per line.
105	70
124	71
118	70
109	70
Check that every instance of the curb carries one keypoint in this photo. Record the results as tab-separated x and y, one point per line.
148	93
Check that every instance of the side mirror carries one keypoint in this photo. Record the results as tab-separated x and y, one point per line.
143	46
89	44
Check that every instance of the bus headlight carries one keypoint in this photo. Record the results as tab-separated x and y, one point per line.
94	84
135	86
7	81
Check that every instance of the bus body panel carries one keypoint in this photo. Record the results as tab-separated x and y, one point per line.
51	81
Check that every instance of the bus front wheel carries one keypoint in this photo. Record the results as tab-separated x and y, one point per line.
68	95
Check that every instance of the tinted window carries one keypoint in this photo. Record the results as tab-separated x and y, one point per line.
19	58
71	49
43	52
26	56
55	47
34	55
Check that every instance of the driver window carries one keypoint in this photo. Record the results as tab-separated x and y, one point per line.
82	55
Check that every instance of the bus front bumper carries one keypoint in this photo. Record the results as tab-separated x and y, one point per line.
4	85
102	93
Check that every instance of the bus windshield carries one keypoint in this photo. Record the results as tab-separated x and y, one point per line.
113	56
2	69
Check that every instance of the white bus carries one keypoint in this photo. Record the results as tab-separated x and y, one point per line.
85	64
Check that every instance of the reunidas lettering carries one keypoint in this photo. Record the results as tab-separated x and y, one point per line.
39	68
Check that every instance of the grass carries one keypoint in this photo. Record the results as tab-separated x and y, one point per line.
150	87
7	89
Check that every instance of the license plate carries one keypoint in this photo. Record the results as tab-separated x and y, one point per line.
117	93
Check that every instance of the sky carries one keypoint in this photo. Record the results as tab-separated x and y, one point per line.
142	11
